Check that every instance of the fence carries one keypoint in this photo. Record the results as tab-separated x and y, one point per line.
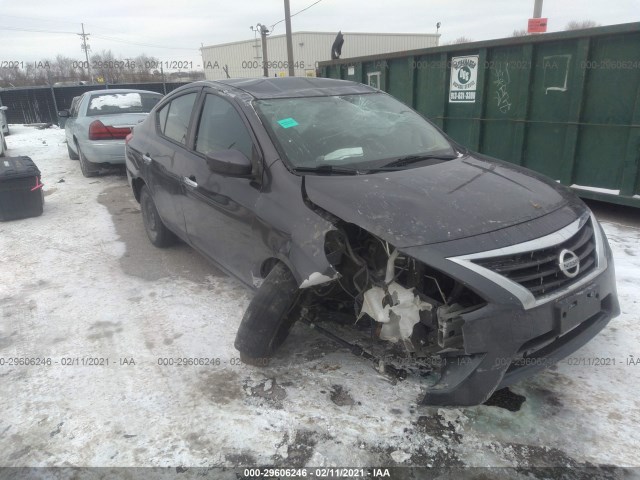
565	104
42	104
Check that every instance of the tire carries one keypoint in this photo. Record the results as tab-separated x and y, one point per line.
72	155
159	235
87	169
269	317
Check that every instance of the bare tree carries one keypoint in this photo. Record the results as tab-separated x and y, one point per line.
458	41
579	25
106	67
462	40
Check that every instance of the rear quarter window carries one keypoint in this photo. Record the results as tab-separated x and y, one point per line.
173	118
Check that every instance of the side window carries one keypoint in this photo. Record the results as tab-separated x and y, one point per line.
174	117
162	117
221	128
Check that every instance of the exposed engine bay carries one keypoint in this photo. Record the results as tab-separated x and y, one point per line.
407	314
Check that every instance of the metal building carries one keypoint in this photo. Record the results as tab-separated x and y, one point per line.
244	58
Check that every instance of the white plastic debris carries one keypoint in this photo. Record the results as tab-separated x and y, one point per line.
316	278
398	319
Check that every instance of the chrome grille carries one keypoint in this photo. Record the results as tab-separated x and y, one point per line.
539	271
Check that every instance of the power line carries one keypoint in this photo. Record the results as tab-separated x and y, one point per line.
4	27
40	19
114	39
306	8
103	37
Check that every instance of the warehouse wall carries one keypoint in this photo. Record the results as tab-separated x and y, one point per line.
244	59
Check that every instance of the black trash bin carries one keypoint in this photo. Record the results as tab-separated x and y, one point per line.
21	193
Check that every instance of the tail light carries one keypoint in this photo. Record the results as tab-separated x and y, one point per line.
100	131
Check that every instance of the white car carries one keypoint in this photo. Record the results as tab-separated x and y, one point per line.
98	123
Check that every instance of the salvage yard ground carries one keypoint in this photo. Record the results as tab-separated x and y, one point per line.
82	282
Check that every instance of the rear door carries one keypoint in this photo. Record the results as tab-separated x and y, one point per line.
166	155
220	210
70	122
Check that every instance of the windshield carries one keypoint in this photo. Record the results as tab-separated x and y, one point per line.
129	102
360	131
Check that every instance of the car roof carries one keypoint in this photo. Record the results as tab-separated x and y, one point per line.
118	90
290	87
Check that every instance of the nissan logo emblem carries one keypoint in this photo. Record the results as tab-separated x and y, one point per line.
569	263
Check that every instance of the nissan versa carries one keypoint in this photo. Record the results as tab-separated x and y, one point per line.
343	207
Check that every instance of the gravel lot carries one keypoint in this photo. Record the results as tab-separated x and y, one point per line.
82	282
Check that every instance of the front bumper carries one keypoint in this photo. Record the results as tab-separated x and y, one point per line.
504	342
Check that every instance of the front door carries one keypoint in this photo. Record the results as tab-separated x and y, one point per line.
219	210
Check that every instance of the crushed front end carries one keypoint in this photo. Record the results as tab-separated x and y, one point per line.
475	321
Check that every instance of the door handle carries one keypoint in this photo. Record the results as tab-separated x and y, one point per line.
146	159
190	181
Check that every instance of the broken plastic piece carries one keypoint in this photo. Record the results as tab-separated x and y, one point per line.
398	319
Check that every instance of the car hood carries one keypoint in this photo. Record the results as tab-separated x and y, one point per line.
459	198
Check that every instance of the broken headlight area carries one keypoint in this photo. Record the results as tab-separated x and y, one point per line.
388	306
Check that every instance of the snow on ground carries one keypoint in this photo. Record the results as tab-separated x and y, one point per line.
64	294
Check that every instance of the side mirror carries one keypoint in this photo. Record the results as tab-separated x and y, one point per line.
229	162
4	107
63	113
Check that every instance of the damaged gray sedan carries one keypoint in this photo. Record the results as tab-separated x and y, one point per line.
345	209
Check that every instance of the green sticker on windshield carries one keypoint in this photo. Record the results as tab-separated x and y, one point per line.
287	122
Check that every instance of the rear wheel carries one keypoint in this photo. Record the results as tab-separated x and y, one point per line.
269	318
159	235
72	155
88	170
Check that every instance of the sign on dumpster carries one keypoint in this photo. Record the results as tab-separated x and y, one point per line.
537	25
464	79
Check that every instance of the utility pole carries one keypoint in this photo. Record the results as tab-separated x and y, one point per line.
537	9
263	35
287	18
86	49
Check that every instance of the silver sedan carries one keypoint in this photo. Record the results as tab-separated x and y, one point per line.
98	123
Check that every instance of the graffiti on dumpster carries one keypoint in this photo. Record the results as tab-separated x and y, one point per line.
502	81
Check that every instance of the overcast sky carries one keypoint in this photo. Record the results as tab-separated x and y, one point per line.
175	30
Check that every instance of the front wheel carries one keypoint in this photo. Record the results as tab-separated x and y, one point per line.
269	317
159	235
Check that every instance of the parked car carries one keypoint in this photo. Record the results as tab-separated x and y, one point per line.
4	125
98	123
335	201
